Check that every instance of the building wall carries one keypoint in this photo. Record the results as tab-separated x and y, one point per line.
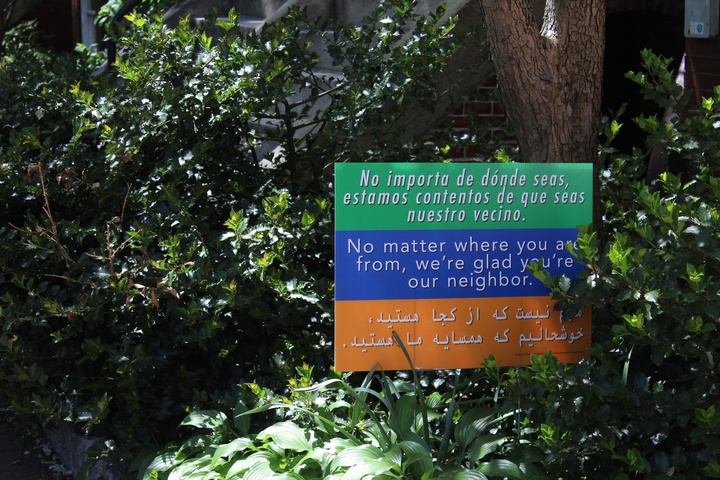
702	66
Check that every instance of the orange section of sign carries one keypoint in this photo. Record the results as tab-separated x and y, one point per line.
454	333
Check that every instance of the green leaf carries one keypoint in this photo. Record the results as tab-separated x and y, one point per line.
240	421
694	324
636	320
229	449
161	463
308	219
205	419
288	436
252	461
260	471
237	222
712	469
418	456
353	455
465	474
635	460
372	468
403	415
652	296
192	468
502	468
708	103
707	417
619	254
472	424
695	276
484	446
564	283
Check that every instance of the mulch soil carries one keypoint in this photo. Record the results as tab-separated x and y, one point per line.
25	454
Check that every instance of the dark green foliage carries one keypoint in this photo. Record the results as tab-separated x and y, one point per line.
166	236
645	405
167	231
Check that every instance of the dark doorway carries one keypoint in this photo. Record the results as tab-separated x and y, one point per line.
627	34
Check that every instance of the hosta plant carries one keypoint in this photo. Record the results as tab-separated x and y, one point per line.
381	429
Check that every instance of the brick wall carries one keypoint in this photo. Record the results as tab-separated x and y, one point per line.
702	66
483	110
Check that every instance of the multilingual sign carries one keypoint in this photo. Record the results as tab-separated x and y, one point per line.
437	257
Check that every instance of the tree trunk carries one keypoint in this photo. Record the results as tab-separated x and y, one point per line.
550	76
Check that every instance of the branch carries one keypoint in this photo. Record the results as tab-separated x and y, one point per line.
54	235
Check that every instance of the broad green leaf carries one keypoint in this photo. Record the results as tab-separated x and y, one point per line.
353	455
161	463
229	449
318	458
465	474
402	420
205	419
502	468
287	435
472	424
434	400
372	468
193	466
241	465
416	453
240	421
259	471
483	446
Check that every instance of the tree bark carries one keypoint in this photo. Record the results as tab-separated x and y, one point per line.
550	75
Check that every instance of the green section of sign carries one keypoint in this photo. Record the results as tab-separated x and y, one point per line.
446	196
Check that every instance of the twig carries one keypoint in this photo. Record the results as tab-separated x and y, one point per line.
48	212
46	208
127	195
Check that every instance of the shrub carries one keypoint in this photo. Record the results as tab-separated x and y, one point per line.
646	403
168	226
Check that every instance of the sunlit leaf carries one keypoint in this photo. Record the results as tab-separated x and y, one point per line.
287	435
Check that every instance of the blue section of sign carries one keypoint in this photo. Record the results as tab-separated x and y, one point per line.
401	264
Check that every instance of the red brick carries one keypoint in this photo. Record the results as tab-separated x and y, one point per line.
703	65
709	47
479	108
458	121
